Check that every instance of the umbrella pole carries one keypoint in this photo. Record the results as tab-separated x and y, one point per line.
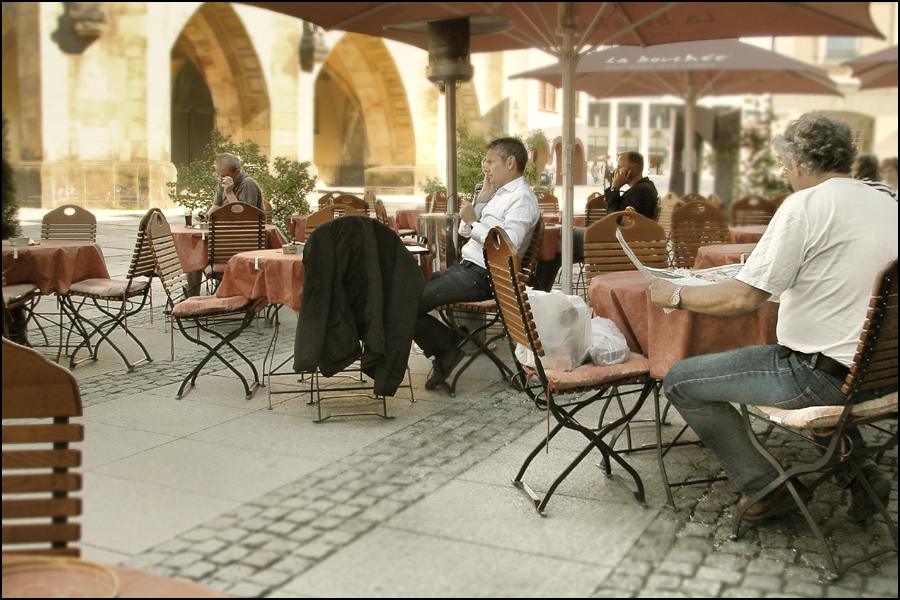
568	61
690	115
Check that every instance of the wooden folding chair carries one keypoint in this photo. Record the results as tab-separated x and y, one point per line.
328	198
233	228
548	204
488	314
600	383
436	202
874	368
69	222
200	313
594	208
328	213
667	204
20	297
354	202
127	297
39	398
604	254
695	224
752	210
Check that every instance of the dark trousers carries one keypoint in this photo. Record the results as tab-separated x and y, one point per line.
465	282
547	270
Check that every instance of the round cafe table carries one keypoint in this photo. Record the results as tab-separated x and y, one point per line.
666	338
717	255
746	234
53	265
268	274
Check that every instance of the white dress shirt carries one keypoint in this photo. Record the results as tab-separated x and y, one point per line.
514	208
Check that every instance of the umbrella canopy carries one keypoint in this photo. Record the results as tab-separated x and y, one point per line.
876	70
690	70
570	29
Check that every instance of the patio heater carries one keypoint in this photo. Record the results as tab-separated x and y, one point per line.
448	66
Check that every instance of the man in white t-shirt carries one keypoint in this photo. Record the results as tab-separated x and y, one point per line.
505	201
819	255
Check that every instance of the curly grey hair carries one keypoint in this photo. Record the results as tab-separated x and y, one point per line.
818	144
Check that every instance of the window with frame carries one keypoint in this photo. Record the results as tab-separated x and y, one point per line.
546	96
838	48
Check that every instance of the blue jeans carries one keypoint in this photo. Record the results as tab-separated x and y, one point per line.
454	284
702	389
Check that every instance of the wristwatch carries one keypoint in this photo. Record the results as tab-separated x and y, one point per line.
676	297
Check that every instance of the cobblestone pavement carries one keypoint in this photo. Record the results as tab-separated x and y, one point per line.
283	542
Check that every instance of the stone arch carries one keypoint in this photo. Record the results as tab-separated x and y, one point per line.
216	41
359	93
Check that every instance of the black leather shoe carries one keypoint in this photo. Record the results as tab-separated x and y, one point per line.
778	502
443	365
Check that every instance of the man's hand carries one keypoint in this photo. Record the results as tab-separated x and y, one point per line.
661	292
227	184
623	175
487	192
467	212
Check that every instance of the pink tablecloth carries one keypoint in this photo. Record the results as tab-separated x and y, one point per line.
717	255
54	265
193	245
667	338
746	234
275	275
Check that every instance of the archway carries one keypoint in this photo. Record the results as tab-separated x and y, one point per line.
215	41
193	115
578	162
363	125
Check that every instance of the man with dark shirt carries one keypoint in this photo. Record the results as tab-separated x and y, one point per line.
641	195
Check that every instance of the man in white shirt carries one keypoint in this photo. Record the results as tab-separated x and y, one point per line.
505	201
819	255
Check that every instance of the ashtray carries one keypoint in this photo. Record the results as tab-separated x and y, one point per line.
295	248
22	241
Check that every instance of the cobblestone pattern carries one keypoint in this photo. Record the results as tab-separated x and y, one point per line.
264	544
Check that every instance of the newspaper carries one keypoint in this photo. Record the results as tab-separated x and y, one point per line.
681	276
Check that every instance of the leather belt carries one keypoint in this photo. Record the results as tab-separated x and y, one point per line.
470	265
819	361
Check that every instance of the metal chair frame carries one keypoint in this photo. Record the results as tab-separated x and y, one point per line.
488	310
874	367
604	385
174	280
132	300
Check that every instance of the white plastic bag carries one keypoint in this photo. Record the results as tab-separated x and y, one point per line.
564	327
608	345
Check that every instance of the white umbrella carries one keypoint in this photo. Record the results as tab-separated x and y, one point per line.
690	70
569	30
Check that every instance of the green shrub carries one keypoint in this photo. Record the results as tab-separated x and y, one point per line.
285	189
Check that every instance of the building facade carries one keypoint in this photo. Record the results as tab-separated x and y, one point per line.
105	100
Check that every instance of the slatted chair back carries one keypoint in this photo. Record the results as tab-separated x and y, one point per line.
752	210
875	363
142	261
547	203
693	225
165	255
381	212
436	202
328	213
777	200
38	465
594	208
604	254
234	228
328	198
504	265
694	197
69	222
666	206
528	263
354	202
268	209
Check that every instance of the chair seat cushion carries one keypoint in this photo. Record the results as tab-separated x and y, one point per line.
106	287
481	306
590	375
209	305
818	419
16	291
